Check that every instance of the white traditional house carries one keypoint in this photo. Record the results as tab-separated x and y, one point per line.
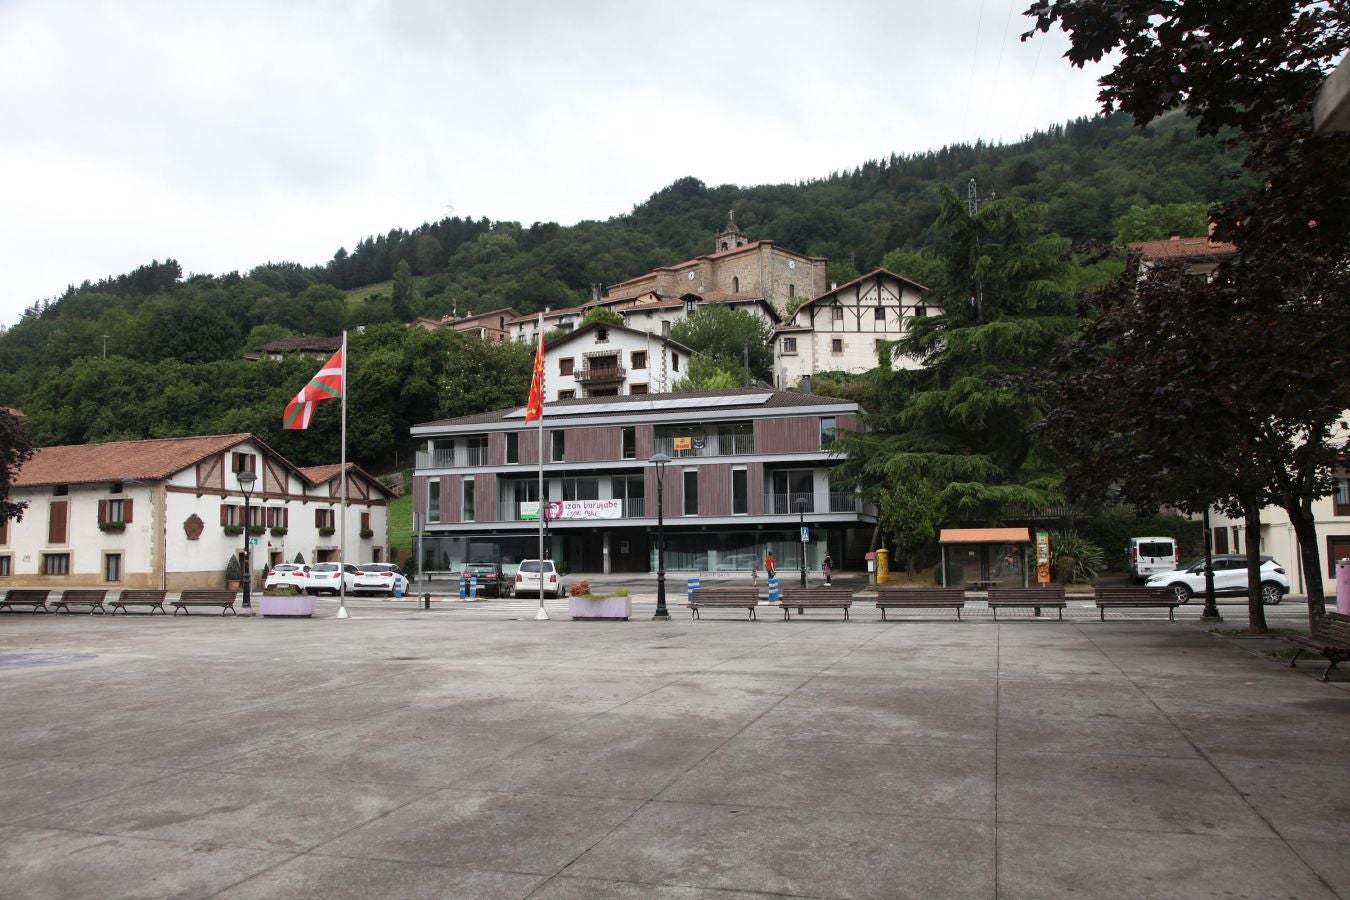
170	513
848	328
606	360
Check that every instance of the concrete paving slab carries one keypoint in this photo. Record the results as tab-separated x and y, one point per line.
38	786
851	726
1275	736
335	878
566	888
1302	802
1049	862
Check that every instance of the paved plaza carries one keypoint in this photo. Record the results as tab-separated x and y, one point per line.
445	753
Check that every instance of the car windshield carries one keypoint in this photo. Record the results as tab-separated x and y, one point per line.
373	570
325	567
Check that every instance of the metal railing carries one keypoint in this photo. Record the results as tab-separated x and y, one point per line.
600	373
450	459
786	504
709	445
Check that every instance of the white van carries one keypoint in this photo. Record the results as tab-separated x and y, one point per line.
1150	555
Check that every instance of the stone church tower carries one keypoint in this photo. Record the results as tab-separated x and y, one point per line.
731	236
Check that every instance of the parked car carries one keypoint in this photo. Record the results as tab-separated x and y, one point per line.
294	575
1147	556
324	578
1230	578
491	583
379	578
528	578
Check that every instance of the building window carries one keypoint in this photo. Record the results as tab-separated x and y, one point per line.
467	514
434	500
1341	499
691	492
602	335
242	462
276	517
735	280
827	431
920	311
565	366
740	491
630	441
5	567
112	567
792	292
4	530
581	488
837	313
1220	540
879	314
559	445
61	490
636	389
324	518
836	345
57	511
789	345
56	564
567	395
512	448
639	359
675	361
110	511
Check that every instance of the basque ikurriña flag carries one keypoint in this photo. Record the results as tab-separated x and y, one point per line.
324	386
534	407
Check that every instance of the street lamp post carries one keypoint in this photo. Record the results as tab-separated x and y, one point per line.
246	481
801	512
1211	610
659	460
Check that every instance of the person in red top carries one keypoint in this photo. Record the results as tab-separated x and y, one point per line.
769	569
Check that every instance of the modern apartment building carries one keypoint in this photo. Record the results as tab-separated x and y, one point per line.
747	470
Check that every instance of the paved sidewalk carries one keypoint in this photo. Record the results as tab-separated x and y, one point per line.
398	755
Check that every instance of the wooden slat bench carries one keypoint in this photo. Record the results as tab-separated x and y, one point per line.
921	598
1111	597
152	599
1037	597
188	599
1330	637
26	597
724	598
89	598
816	598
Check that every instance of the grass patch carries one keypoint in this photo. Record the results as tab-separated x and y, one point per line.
1289	653
1273	632
400	526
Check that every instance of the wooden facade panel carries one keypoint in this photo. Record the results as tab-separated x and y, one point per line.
646	442
419	494
795	434
496	448
485	498
754	477
57	512
211	472
593	444
714	490
670	498
451	498
846	423
275	477
529	446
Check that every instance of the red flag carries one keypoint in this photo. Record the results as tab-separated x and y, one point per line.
324	386
534	407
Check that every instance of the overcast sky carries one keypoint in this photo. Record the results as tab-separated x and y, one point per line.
227	134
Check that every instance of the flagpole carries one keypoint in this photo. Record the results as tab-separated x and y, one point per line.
342	536
542	615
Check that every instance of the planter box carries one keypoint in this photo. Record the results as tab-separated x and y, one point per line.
299	605
600	607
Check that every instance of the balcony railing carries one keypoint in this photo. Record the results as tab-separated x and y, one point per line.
633	508
845	501
452	459
786	504
710	445
593	374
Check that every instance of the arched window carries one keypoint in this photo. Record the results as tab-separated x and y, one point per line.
792	292
735	285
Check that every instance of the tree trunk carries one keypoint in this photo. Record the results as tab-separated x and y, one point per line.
1310	555
1256	610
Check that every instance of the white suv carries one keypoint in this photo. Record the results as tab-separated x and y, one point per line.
1230	578
528	577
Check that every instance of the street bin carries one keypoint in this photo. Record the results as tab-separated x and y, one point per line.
1343	586
883	566
774	596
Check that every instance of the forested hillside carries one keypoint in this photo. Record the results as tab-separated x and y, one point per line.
155	353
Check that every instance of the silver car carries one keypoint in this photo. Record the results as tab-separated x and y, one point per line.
1230	579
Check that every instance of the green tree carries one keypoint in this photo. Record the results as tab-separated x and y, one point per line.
405	292
706	375
15	449
1155	222
601	314
723	335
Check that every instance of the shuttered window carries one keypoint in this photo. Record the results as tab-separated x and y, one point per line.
56	521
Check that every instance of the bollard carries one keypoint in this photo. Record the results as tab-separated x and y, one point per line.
426	601
773	590
693	586
463	587
473	588
1343	586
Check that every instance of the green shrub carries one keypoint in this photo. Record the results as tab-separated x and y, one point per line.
1087	557
234	571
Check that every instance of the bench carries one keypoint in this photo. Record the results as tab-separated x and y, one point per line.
1137	596
725	598
91	599
187	599
921	598
1330	637
1007	598
816	598
152	599
25	597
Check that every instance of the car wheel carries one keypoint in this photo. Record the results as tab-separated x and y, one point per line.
1271	595
1183	593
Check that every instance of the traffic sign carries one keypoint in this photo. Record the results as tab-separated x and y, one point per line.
806	534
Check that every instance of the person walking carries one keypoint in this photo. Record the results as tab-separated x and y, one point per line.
825	568
769	569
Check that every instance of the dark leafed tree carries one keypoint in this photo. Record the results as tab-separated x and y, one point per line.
15	450
723	336
958	426
1254	70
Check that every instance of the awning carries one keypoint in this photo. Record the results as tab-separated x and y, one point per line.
985	536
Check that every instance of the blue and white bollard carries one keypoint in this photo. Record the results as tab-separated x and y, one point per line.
463	587
773	590
473	588
693	586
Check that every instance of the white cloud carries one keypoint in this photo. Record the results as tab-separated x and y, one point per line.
225	135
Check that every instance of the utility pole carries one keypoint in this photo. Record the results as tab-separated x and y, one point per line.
105	346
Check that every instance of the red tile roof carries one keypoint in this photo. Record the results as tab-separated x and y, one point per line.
121	460
301	342
1181	248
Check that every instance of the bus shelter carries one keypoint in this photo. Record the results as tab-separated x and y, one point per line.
980	558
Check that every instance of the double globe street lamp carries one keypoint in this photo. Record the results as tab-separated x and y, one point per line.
246	482
660	460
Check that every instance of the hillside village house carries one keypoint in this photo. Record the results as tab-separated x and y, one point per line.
747	468
849	328
605	360
169	513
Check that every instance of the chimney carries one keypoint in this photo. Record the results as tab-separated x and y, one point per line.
806	384
665	329
1174	236
834	285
